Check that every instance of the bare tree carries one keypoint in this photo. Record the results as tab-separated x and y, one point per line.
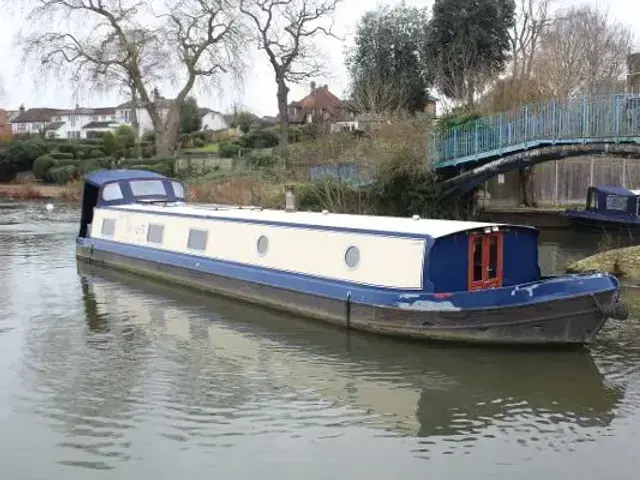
585	53
136	45
378	97
285	30
532	18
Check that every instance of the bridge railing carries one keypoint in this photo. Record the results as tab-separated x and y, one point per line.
588	119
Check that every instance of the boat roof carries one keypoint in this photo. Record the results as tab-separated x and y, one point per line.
614	190
433	228
100	177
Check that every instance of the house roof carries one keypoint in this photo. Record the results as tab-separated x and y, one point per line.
204	110
161	102
40	115
98	125
320	98
54	126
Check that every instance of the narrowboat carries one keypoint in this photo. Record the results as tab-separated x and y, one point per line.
410	277
608	209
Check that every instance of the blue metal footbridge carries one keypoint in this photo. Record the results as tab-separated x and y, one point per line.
470	154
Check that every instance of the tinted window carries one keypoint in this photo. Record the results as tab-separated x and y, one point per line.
108	227
616	202
493	257
197	239
178	189
141	188
111	191
155	233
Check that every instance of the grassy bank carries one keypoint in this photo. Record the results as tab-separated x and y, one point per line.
624	263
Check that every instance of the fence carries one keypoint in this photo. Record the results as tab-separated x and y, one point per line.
611	118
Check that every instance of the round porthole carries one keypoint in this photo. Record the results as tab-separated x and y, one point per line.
352	257
262	245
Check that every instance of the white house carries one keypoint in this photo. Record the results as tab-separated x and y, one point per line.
124	113
212	120
61	123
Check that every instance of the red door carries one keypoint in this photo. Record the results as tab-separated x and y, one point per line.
485	260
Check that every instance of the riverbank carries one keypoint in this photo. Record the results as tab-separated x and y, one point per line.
35	191
624	263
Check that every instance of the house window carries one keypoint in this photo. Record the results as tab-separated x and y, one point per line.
197	239
111	191
108	227
155	233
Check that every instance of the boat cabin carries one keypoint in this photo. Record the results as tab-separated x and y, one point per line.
612	200
104	188
147	211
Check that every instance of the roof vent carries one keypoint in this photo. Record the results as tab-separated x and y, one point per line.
324	212
416	217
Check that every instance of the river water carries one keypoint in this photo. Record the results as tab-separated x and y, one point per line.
104	375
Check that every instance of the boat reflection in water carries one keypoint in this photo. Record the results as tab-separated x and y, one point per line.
404	387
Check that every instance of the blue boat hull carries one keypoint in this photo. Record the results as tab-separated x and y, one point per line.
597	222
568	310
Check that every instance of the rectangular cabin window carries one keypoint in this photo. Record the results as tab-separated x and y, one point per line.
108	227
111	191
617	202
155	233
492	267
178	190
592	201
197	239
141	188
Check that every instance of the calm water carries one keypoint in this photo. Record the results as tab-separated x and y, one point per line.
103	375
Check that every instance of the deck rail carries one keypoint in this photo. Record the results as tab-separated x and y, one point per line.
602	119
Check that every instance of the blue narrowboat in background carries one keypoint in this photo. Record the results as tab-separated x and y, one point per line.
409	277
608	208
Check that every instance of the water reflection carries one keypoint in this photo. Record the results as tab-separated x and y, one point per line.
230	364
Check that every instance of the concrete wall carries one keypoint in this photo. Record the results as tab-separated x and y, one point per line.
563	182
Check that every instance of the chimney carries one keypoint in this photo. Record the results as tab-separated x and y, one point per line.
326	87
313	86
22	108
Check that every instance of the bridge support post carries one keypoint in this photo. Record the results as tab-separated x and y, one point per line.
556	193
624	172
585	119
591	170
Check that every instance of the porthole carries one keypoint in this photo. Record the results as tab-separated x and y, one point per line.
262	245
352	257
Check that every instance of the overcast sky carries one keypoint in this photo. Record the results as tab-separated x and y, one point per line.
258	91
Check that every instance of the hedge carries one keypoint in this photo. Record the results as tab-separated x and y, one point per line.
62	175
61	155
42	165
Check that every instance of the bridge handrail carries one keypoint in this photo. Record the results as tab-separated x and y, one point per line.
612	117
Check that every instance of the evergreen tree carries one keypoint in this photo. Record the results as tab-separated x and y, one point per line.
387	66
469	42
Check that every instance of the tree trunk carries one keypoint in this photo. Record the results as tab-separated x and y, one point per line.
283	112
527	194
167	134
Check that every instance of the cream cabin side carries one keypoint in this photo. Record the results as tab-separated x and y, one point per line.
362	258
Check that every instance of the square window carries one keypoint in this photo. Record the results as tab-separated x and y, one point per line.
197	239
155	233
108	227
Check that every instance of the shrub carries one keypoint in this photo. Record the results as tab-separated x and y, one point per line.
104	162
41	166
262	159
108	143
61	155
62	175
76	162
125	136
198	143
229	149
21	155
259	139
90	165
95	153
148	152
